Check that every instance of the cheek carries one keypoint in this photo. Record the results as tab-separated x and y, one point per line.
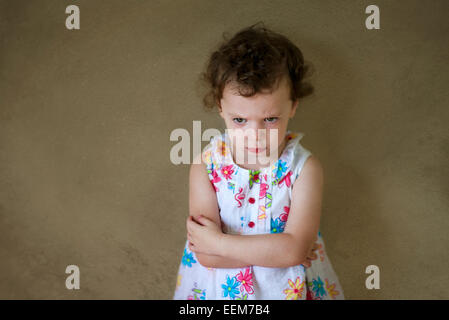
239	137
275	137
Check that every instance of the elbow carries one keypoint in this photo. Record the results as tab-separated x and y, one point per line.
301	255
300	259
295	259
296	254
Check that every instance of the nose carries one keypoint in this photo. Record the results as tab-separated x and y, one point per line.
256	134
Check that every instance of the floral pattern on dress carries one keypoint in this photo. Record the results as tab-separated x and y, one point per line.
239	286
256	202
187	258
319	290
295	290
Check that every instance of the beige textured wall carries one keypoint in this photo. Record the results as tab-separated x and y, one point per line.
85	118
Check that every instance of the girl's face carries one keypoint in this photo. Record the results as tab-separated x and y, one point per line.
262	120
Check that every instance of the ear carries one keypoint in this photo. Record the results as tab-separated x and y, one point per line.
294	107
220	109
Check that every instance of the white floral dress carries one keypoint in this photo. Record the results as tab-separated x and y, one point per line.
255	202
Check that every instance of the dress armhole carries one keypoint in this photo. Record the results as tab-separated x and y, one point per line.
302	154
208	158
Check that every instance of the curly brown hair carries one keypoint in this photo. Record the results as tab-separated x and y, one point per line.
254	59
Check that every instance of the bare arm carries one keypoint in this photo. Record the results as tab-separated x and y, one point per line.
292	246
203	201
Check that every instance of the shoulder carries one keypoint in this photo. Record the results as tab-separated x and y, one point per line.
205	162
214	153
311	173
206	157
313	166
201	164
200	176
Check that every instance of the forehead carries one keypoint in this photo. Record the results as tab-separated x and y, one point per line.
265	103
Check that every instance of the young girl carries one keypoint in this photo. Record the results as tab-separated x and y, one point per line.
253	222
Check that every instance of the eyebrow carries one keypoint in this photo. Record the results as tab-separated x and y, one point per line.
238	116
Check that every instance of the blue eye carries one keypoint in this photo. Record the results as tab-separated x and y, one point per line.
238	120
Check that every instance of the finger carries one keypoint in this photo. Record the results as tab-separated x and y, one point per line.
204	220
191	224
313	256
312	249
307	264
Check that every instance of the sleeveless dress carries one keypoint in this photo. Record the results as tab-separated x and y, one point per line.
255	202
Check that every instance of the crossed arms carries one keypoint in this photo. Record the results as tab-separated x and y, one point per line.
294	246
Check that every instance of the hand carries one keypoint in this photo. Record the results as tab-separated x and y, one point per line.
311	255
204	236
